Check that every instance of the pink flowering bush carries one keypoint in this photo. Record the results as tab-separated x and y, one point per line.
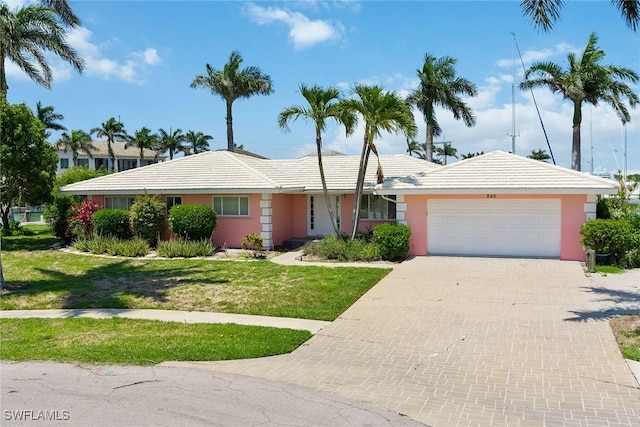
82	218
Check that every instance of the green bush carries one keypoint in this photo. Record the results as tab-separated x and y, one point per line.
58	216
253	243
362	250
393	240
112	223
185	248
341	249
147	218
192	222
612	238
99	245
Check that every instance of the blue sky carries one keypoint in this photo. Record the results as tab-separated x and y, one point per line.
141	57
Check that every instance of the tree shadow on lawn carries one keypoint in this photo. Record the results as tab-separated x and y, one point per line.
613	302
35	242
113	285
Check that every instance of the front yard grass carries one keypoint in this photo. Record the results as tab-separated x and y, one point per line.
627	332
139	342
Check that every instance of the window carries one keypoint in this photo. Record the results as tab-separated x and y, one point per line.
83	162
101	163
64	163
375	207
231	205
126	164
118	202
172	201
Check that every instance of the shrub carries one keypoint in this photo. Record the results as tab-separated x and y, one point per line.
610	237
185	248
82	217
112	223
253	243
99	245
58	215
192	222
393	240
362	250
341	249
147	218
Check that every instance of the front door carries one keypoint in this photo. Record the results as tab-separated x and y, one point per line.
319	221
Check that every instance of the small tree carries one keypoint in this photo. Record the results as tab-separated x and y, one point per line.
57	215
148	217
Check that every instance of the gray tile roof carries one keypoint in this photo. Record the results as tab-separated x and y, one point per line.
118	151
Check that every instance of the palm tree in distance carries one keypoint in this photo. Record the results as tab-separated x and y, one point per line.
143	139
440	87
539	154
171	141
324	104
414	147
232	83
197	142
28	35
75	142
470	155
380	111
114	131
544	13
49	118
445	152
585	80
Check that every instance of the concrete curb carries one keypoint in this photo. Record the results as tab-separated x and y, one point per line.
313	326
635	370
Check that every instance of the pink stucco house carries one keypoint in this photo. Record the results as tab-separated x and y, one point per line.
497	204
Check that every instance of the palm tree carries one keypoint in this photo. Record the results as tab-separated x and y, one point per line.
544	13
440	87
323	104
381	111
143	139
414	147
48	118
171	141
232	83
198	142
113	130
74	142
64	12
446	151
585	80
539	154
470	155
28	35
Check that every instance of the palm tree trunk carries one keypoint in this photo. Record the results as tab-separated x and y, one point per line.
3	77
324	183
364	161
429	143
576	160
230	145
110	156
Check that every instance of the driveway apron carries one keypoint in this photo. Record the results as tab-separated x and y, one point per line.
475	341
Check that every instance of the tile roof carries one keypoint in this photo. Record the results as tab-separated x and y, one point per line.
118	151
499	172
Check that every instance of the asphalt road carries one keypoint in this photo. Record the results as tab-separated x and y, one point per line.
89	395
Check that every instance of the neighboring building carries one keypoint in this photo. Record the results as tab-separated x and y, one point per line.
126	159
497	204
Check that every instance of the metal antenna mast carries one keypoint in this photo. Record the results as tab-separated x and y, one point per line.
513	97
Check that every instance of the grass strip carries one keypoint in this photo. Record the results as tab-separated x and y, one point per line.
139	342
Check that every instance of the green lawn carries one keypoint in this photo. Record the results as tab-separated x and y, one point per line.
139	342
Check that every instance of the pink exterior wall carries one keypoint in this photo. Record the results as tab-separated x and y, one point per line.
572	217
282	216
298	215
230	230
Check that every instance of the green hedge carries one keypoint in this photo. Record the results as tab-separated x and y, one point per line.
112	223
192	222
611	239
393	240
147	218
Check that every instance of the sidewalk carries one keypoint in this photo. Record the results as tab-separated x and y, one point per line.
312	326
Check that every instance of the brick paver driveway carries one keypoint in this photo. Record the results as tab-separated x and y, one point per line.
473	341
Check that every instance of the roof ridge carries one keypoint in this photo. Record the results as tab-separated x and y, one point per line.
236	158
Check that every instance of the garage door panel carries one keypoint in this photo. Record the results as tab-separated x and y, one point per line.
510	227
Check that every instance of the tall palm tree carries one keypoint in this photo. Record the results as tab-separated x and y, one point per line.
114	131
143	139
446	151
198	142
171	141
440	87
232	83
49	118
585	80
539	154
324	104
76	141
544	13
28	35
380	111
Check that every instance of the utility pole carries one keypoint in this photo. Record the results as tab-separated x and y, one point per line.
513	96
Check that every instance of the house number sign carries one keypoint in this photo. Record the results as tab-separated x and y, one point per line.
491	196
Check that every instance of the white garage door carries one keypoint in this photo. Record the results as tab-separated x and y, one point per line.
494	227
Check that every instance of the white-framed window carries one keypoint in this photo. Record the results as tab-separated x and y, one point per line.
119	202
231	205
83	162
375	207
101	162
64	163
172	201
126	164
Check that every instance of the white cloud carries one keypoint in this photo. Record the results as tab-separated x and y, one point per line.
303	32
531	56
151	56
